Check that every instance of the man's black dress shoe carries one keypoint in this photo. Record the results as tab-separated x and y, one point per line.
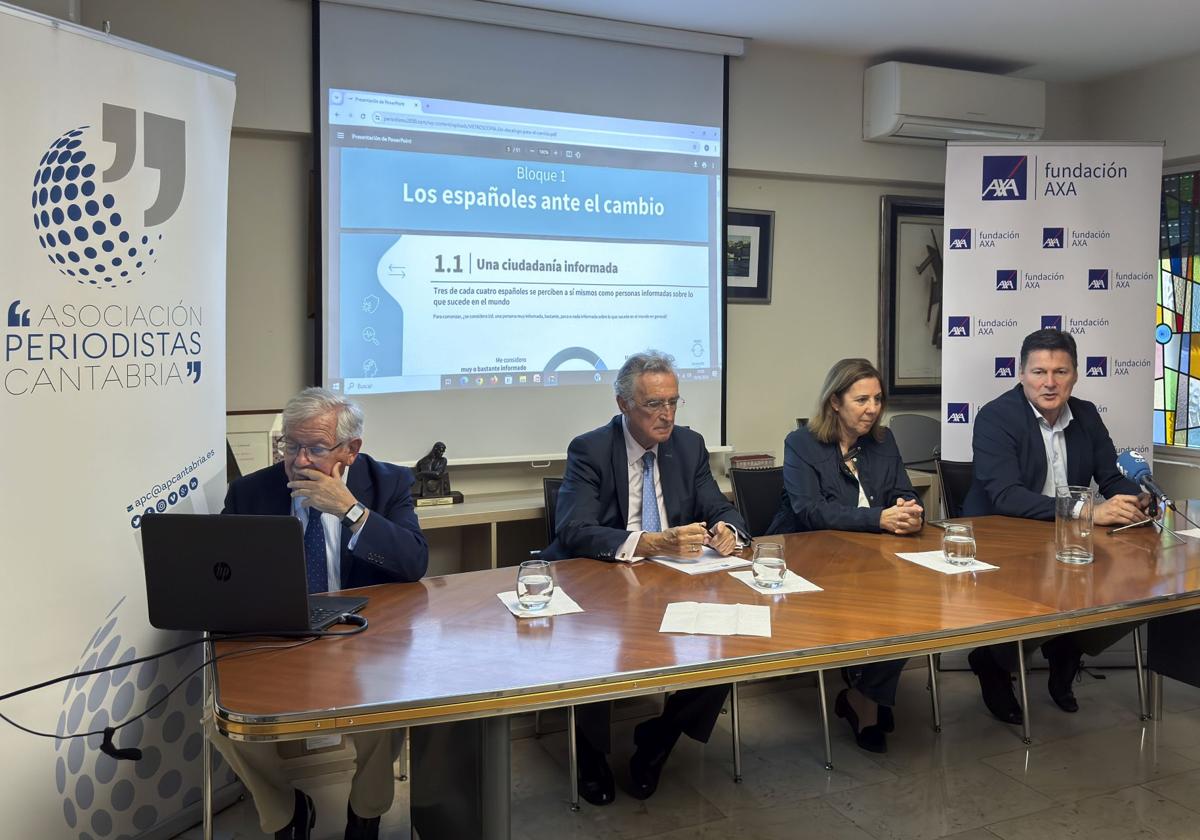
653	748
996	685
596	784
304	817
360	828
869	738
1064	658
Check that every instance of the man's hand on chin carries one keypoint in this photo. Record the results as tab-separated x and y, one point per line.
326	493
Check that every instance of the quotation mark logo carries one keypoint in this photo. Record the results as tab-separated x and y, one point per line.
77	211
17	317
193	370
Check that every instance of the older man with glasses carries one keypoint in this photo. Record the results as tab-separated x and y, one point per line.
637	487
360	528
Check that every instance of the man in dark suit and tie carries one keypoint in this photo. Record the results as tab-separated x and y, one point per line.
360	528
1027	442
639	487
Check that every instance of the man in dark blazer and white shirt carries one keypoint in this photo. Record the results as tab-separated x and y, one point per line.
638	487
1027	442
360	529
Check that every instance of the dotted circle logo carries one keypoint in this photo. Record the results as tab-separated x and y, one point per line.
104	798
79	223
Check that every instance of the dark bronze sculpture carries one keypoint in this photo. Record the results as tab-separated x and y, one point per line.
432	485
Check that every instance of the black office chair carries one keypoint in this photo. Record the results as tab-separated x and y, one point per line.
954	479
918	438
756	494
550	495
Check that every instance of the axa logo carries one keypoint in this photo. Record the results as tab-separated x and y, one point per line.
960	239
1006	280
1052	322
1053	237
1096	366
1006	367
80	213
1004	177
958	326
958	412
17	317
1097	279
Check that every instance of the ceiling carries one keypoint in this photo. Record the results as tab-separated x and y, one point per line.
1055	40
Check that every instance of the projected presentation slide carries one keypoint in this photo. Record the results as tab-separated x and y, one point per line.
478	246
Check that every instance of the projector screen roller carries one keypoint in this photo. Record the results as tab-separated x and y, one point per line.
489	265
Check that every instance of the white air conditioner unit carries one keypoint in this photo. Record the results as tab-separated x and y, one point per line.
910	103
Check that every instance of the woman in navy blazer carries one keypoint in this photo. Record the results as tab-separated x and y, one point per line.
843	472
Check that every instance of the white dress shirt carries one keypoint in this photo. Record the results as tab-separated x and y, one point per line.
1055	441
333	536
636	468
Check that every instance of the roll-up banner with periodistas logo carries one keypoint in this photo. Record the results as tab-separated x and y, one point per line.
113	191
1050	235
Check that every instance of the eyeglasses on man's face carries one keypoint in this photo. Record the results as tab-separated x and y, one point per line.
656	406
293	449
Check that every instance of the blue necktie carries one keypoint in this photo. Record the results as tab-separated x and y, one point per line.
314	553
650	520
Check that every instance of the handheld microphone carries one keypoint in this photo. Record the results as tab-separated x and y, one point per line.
1134	467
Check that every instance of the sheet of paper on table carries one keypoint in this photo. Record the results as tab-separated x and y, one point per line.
708	561
792	582
560	604
716	619
936	561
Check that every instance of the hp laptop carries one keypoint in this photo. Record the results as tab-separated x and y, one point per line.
232	574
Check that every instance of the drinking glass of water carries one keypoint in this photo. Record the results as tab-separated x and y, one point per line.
535	584
958	544
768	566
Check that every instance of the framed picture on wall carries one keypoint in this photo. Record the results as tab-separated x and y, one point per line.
749	240
910	298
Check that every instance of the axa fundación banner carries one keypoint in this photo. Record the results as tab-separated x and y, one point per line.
1050	235
113	185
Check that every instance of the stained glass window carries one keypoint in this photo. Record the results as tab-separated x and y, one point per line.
1177	352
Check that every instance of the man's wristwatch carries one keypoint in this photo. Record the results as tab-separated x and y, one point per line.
351	517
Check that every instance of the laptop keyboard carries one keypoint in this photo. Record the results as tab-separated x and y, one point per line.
320	616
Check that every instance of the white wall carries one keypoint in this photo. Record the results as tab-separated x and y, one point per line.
798	113
824	305
1150	104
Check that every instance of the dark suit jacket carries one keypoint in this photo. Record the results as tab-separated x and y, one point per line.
593	501
390	547
1010	458
820	492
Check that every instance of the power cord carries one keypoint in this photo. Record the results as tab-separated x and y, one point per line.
106	746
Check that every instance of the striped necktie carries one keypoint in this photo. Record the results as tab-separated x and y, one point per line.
650	520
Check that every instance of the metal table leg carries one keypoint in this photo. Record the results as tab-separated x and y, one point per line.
573	758
1143	704
1025	737
933	694
737	733
1156	686
825	719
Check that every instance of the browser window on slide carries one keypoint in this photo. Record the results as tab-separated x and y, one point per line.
474	246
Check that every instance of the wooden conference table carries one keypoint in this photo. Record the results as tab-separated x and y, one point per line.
446	649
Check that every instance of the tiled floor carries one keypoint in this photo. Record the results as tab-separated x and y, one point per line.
1100	774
